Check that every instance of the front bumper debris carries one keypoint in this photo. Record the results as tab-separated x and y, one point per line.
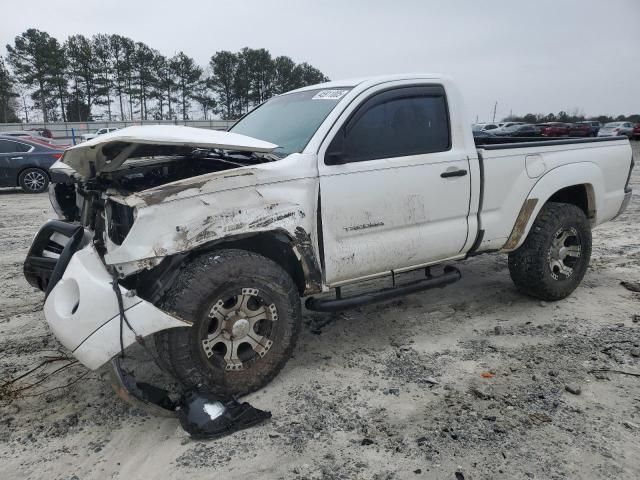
85	315
81	307
201	414
51	251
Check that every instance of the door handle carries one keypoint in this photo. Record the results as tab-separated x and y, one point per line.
17	158
454	173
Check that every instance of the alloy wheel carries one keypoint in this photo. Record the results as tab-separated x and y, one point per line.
239	330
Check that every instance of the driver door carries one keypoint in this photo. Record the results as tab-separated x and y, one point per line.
394	193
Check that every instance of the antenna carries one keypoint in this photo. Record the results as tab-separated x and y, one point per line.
495	107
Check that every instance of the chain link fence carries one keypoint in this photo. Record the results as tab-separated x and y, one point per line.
67	130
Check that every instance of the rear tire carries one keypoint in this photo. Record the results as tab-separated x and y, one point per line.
33	180
553	259
246	318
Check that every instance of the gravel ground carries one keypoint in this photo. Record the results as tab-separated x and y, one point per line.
471	382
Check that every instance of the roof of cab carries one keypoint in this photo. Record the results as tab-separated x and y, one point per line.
368	81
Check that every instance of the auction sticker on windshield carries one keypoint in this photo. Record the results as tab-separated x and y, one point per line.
329	94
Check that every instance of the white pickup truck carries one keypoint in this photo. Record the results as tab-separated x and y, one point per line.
207	240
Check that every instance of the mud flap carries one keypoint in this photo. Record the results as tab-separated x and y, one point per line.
201	414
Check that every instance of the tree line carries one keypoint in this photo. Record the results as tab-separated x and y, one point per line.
564	117
113	77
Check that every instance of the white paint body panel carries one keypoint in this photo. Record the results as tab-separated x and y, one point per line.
603	166
279	195
82	311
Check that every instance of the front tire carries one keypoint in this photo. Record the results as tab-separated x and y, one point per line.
246	318
33	180
553	259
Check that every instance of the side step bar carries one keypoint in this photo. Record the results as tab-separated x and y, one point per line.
449	276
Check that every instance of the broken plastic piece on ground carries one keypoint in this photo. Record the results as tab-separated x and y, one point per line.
141	395
631	286
487	375
201	414
204	416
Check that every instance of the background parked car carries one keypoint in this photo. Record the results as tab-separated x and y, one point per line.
26	134
503	125
636	131
554	129
613	129
480	134
484	127
580	129
43	132
519	130
25	163
101	131
594	125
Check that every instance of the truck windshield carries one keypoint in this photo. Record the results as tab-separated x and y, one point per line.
290	120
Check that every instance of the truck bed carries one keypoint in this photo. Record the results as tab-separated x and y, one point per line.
510	171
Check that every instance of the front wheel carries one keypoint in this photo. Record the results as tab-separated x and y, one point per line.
552	261
33	180
246	317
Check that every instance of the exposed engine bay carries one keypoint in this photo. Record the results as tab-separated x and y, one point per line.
148	167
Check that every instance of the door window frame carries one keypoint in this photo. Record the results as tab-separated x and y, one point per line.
388	94
31	148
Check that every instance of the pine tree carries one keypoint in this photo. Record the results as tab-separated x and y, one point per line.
35	58
187	75
224	65
7	95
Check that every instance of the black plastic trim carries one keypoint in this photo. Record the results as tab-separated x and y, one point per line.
476	244
526	142
450	275
455	173
45	272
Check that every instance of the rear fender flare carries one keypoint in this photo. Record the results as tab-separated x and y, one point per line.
581	173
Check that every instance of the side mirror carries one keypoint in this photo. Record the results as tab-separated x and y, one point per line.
336	153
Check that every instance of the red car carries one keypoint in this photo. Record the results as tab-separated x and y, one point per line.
636	131
580	130
554	129
43	132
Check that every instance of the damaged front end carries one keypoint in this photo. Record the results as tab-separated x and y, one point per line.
117	225
80	305
141	201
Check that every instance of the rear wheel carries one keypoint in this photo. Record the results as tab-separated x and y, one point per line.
246	317
33	180
552	261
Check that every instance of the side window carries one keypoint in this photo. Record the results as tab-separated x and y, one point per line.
7	146
22	147
396	123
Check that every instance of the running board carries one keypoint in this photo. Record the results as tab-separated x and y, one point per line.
449	276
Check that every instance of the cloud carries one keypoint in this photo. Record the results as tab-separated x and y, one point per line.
536	57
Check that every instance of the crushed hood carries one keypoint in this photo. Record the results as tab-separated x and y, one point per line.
106	153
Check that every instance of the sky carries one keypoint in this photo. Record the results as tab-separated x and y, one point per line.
534	56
